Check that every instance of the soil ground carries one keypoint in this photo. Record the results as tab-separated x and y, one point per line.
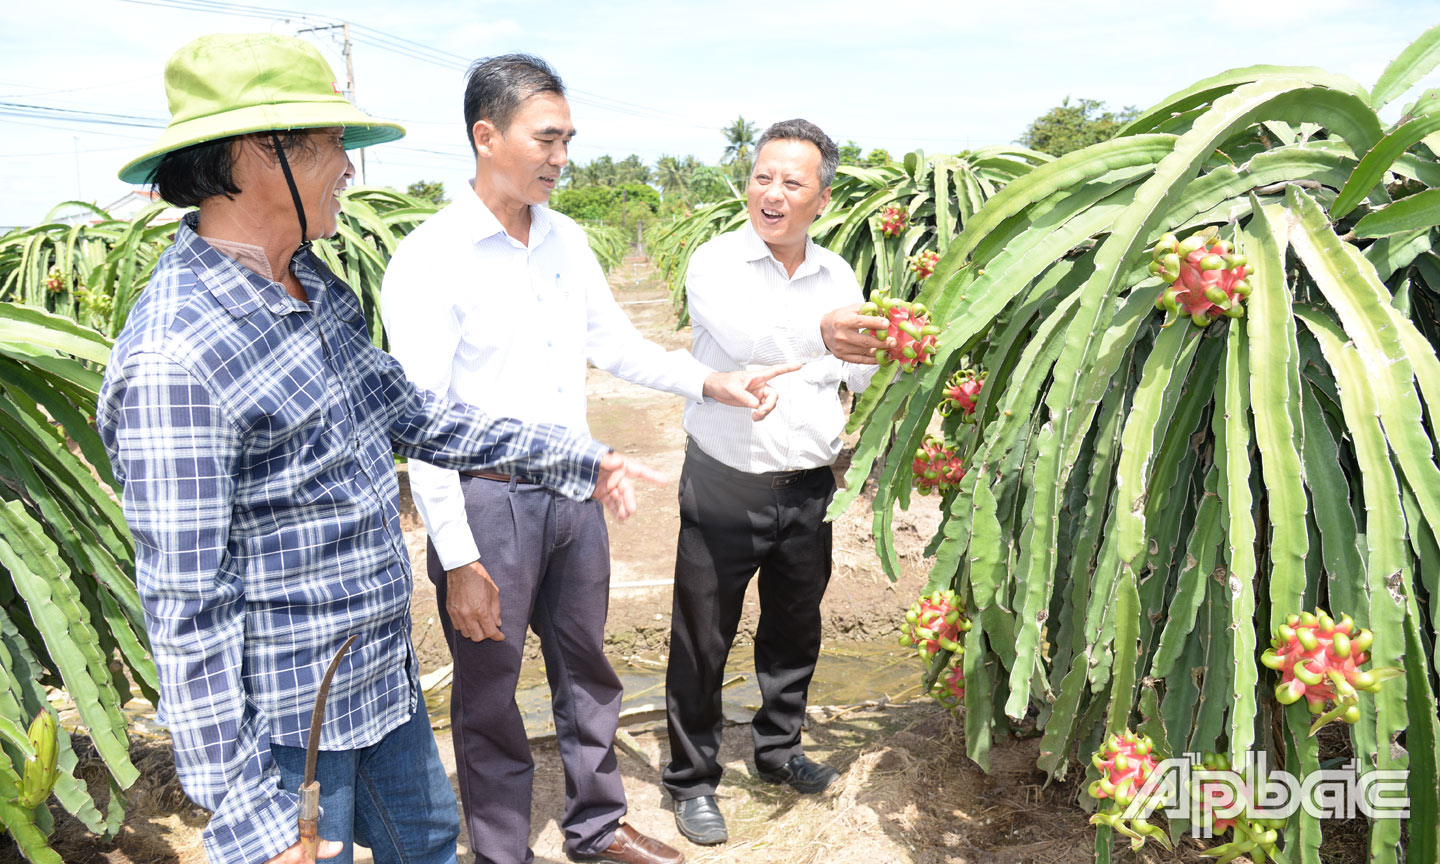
907	792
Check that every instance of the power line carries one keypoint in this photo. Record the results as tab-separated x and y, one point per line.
69	115
409	48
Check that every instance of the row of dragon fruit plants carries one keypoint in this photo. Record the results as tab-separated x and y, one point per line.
1178	395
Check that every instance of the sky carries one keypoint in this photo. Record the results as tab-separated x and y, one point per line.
660	78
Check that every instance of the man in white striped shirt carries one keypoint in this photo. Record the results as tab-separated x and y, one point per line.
753	495
497	301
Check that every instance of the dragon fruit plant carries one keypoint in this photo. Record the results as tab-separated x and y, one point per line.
1125	761
936	467
962	392
911	340
1319	659
922	264
892	221
1206	276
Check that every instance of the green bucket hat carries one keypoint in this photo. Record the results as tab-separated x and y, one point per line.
233	84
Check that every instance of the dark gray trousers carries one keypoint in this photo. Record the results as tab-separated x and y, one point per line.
731	525
550	559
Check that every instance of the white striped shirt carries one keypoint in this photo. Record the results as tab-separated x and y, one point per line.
746	312
477	316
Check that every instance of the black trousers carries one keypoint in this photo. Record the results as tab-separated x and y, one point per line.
731	525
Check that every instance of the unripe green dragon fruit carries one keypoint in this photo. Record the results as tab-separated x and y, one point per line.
1125	761
962	391
892	221
40	769
1206	278
949	689
911	340
936	467
1318	658
922	264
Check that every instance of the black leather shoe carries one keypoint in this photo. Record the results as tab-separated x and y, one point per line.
803	774
700	821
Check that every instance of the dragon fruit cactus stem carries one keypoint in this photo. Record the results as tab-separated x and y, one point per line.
1206	278
1318	658
962	391
910	340
1125	761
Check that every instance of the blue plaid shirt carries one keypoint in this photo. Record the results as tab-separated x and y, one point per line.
252	434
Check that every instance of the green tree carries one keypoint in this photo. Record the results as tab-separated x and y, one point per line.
878	156
739	141
621	205
1068	127
850	153
428	190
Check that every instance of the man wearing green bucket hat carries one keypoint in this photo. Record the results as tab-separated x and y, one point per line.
251	425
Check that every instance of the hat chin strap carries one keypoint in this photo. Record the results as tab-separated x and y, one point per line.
294	193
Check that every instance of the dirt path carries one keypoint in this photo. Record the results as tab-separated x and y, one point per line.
908	794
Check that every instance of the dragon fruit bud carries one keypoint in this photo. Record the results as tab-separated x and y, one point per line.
882	356
1234	312
1217	296
1361	641
1340	645
1212	262
1169	242
1190	244
1351	715
1289	693
1200	319
1309	677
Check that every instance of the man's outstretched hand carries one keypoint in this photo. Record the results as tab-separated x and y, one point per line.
840	330
747	389
615	486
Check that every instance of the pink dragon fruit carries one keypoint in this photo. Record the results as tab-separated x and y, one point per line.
892	221
1207	278
1219	789
933	622
1319	659
922	264
910	339
1125	761
936	467
962	391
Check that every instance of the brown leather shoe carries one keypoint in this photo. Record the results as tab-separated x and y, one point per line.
632	847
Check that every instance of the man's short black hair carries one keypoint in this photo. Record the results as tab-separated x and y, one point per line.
498	86
804	130
190	175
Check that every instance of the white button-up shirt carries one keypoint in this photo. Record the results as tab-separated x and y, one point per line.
746	312
476	315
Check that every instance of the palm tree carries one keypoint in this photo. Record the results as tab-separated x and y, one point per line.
739	138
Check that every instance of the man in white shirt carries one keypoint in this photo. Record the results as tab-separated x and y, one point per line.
498	302
753	495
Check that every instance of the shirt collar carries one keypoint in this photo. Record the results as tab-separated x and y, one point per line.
238	288
482	224
756	250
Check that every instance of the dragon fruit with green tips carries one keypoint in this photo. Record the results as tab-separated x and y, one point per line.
936	467
1125	762
1319	660
1206	278
910	339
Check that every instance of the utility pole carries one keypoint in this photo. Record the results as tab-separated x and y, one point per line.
344	28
